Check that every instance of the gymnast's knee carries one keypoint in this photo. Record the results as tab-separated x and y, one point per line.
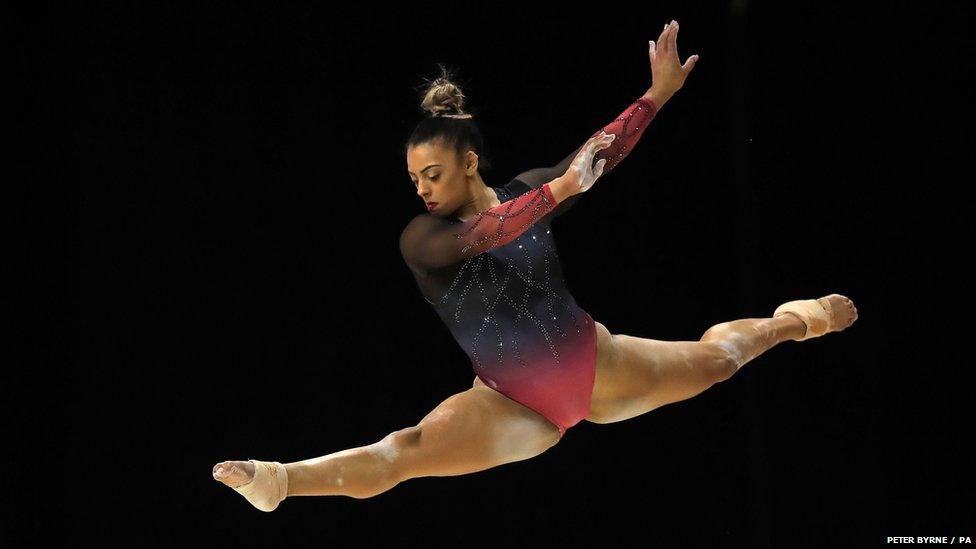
725	367
722	363
391	467
716	332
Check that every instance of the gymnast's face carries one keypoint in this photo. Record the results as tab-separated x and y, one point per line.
440	179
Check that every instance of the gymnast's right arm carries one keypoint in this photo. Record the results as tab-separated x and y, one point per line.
430	242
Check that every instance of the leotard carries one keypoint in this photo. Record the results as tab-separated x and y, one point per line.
496	281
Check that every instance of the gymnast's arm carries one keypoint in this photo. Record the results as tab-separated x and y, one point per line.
628	128
430	242
668	76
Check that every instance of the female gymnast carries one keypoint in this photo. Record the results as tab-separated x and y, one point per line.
485	259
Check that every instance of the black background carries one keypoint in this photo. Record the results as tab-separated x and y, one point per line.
236	194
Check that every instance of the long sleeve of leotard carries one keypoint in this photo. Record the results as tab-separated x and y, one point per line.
628	127
430	242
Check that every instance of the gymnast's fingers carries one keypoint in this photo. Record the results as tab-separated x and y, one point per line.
591	146
603	143
599	168
674	39
663	39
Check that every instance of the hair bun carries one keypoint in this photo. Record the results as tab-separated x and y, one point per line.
443	98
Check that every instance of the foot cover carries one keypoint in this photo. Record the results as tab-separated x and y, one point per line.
815	313
268	487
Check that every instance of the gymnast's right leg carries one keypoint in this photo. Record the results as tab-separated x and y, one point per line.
470	431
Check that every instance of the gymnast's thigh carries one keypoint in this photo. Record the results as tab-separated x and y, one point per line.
641	373
471	431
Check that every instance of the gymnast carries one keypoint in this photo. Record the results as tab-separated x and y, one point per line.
484	258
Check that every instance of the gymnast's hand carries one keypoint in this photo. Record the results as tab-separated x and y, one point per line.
667	73
582	173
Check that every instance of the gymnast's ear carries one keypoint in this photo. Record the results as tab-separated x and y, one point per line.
469	162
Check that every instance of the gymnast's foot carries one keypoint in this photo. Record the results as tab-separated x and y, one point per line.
263	483
830	313
845	313
234	473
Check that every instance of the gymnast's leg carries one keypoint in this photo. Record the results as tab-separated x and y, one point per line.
470	431
636	375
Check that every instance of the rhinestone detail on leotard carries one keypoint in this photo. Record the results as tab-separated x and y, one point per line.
476	273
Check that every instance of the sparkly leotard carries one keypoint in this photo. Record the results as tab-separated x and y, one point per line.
496	281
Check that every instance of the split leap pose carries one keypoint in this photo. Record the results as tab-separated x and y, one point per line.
485	259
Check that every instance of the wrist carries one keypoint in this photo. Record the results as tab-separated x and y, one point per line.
563	188
658	96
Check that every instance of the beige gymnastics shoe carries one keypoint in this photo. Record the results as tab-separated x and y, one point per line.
268	487
831	313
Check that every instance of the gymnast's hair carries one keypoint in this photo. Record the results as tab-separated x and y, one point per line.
447	123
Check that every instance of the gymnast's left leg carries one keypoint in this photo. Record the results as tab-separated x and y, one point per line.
636	375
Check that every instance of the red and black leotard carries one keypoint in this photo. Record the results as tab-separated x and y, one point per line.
497	283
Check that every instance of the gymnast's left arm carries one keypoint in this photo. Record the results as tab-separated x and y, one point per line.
668	76
627	130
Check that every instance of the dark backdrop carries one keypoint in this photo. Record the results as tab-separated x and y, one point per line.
236	290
